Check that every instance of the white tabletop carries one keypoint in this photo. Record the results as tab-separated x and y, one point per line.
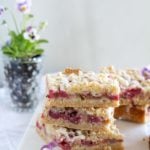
12	124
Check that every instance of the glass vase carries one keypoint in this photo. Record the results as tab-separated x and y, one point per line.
22	80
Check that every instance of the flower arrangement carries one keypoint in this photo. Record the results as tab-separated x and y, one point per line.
22	66
25	41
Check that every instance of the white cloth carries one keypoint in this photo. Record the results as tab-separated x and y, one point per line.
12	124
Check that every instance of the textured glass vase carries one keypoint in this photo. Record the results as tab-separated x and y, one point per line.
23	79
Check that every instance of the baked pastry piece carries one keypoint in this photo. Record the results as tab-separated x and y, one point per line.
79	118
73	139
75	88
134	85
139	114
134	95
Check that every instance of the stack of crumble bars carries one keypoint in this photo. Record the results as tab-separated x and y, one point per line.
135	93
78	112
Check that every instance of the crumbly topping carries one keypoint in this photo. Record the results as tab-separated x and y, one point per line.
75	134
128	78
60	132
84	82
105	112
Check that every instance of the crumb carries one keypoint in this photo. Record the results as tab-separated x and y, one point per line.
70	71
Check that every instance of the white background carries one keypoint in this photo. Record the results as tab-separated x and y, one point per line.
92	33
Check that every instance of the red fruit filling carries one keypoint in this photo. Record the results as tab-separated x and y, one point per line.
90	96
113	97
64	145
55	114
73	116
130	93
68	114
87	142
56	94
63	94
42	115
94	119
38	125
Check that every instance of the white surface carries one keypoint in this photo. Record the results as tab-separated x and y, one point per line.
134	136
12	124
91	33
31	140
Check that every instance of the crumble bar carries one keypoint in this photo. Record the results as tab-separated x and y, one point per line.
73	139
134	85
82	89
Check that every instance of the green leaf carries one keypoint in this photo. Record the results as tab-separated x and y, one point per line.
42	41
19	47
12	34
7	51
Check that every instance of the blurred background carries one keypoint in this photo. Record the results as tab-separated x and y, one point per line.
89	34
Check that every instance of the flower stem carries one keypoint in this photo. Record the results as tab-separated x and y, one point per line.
15	22
23	23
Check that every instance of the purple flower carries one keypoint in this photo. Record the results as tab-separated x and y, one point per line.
146	72
2	9
29	29
51	146
24	5
31	34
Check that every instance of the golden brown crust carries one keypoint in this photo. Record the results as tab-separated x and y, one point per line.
78	102
82	125
137	114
